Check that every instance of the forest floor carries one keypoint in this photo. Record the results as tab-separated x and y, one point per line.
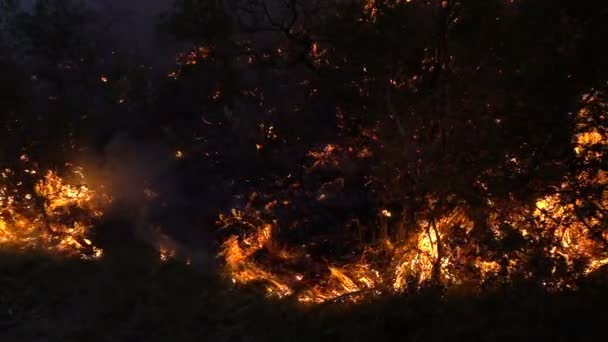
132	299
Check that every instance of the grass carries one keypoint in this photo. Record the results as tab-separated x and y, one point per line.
137	299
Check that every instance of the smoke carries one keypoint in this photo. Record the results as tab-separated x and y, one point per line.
126	171
149	202
130	167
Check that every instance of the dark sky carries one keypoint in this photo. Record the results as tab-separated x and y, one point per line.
134	25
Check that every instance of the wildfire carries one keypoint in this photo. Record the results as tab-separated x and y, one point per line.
441	245
56	217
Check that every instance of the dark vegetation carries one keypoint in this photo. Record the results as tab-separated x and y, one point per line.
467	102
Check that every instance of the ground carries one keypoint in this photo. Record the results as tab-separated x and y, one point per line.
45	298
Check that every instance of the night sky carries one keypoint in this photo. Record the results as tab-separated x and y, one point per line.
134	24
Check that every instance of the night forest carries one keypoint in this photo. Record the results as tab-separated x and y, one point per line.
303	170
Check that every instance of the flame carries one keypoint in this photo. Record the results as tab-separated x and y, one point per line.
425	258
166	254
328	156
441	244
57	218
386	213
238	253
316	53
